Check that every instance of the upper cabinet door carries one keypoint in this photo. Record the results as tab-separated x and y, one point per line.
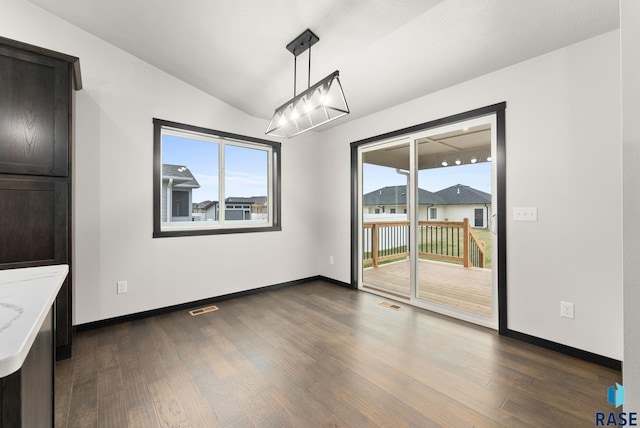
34	114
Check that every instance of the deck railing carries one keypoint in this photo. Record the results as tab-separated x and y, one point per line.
441	240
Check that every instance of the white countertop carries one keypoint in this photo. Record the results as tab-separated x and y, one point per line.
26	296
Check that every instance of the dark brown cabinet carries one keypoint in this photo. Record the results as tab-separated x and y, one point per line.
27	396
35	166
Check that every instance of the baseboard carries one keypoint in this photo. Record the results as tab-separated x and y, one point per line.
567	350
188	305
334	281
63	352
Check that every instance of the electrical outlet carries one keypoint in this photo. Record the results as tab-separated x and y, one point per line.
566	310
122	287
330	260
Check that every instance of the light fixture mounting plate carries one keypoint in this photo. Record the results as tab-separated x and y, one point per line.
303	42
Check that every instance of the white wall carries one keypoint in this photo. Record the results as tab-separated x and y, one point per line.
563	156
630	40
459	212
112	215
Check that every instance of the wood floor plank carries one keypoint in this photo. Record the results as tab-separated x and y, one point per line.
112	410
143	415
319	355
83	410
135	384
63	386
194	403
168	406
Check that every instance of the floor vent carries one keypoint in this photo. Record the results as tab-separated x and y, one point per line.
203	310
390	306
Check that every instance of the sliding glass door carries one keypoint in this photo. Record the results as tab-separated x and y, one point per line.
454	262
386	218
427	203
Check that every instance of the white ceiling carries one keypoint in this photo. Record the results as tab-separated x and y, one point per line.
387	51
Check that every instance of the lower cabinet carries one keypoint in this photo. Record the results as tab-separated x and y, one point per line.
27	396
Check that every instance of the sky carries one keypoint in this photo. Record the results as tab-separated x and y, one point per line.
476	175
245	168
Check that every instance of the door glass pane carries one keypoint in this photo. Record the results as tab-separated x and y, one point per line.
454	207
385	211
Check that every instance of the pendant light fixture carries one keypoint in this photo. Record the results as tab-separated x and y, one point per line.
317	105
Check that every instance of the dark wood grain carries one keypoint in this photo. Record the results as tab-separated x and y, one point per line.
34	231
10	400
35	166
34	129
28	227
321	355
27	395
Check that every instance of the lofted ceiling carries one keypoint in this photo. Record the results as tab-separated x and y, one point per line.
387	51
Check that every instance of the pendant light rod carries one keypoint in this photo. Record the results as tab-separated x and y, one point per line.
300	44
309	71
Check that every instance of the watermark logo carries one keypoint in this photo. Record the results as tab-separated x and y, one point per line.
615	395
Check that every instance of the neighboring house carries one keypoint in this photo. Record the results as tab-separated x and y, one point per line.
205	210
451	204
177	186
393	200
236	208
201	207
462	201
241	208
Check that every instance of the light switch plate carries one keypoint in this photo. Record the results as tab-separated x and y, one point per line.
525	214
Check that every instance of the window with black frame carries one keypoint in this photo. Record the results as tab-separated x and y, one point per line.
212	182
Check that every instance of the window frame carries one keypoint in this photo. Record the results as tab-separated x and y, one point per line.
433	210
274	173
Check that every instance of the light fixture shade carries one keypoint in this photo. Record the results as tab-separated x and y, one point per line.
321	103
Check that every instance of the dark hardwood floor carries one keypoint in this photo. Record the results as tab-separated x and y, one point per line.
319	355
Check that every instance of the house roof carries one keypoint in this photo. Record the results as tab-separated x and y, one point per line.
454	195
463	195
204	204
253	200
181	175
397	195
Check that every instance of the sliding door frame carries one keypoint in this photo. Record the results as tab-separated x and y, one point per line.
499	111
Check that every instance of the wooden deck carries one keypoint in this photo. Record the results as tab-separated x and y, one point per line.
468	289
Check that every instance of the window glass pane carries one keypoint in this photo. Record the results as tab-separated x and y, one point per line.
210	182
246	184
190	185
